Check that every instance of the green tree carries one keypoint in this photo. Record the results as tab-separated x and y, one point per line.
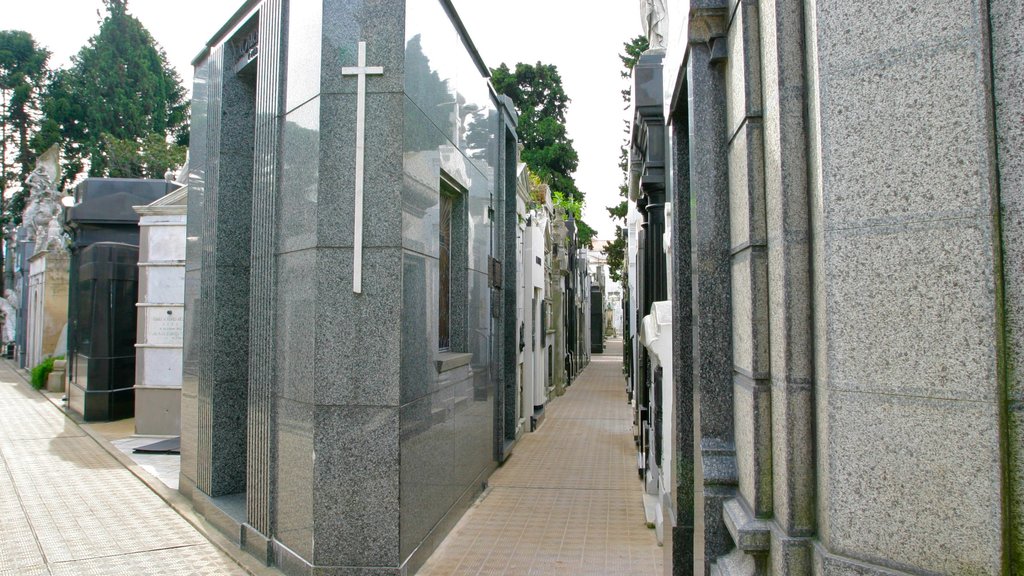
119	92
22	77
536	90
615	251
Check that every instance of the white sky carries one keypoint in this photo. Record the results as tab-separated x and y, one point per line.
581	37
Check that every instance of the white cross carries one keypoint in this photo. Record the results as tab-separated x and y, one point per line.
360	71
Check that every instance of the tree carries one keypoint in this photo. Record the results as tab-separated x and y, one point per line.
22	76
537	93
615	251
119	92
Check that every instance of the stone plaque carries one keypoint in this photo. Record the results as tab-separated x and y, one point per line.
164	325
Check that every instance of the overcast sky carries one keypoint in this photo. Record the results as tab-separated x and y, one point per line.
581	37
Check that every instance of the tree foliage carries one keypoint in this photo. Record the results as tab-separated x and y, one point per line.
615	251
537	93
22	76
119	92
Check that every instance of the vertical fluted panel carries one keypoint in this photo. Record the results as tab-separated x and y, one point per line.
269	96
204	316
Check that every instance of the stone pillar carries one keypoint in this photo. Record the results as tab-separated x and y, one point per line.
158	361
48	305
217	334
785	156
752	408
679	532
260	445
715	465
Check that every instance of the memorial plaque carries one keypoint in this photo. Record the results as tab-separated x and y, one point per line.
164	325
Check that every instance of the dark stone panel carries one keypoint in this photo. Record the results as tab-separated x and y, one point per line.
293	433
382	180
427	488
352	328
295	326
356	502
711	295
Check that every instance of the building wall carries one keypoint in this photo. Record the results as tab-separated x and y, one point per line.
353	441
158	362
874	178
447	416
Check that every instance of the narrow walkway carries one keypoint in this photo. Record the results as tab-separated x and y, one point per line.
569	501
67	507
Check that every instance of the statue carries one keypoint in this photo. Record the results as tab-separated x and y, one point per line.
655	22
9	307
42	213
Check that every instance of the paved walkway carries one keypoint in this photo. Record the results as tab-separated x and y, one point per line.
67	507
569	501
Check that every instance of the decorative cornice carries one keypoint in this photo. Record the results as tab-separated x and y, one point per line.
707	23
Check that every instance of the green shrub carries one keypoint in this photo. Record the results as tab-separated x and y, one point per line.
42	371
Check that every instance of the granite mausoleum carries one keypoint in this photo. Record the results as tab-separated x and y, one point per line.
845	285
347	282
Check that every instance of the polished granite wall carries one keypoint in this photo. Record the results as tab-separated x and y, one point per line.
378	442
447	417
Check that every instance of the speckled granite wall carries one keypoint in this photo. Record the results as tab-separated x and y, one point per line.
362	450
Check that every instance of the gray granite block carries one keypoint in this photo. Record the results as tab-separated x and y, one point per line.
304	53
419	327
295	327
753	417
791	555
789	300
294	512
355	571
911	310
352	328
750	336
743	70
479	230
904	140
227	345
382	201
1007	20
356	474
379	23
747	186
679	539
710	247
794	507
473	426
427	488
890	464
827	564
189	434
1015	471
227	450
853	34
298	194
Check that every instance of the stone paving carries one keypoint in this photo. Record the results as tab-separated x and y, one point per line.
67	507
569	500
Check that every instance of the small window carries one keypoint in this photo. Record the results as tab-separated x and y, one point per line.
452	267
444	339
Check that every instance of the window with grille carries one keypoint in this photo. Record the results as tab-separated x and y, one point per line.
444	338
